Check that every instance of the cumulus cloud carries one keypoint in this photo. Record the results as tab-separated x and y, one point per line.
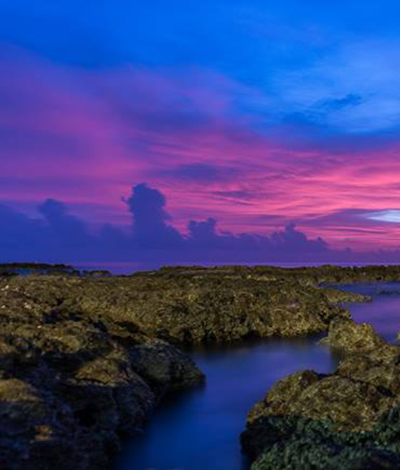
150	227
62	227
298	241
59	236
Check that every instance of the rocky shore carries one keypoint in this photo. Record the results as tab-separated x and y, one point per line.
85	358
349	419
73	382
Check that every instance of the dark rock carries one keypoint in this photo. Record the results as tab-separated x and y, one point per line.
348	419
163	365
307	454
97	273
70	385
352	337
327	274
84	360
338	296
17	269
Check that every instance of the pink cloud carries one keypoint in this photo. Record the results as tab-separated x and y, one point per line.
85	137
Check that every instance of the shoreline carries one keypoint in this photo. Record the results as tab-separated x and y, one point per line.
68	342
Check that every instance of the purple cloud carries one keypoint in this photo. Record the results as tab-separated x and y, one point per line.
58	236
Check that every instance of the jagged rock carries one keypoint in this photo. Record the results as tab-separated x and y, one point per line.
307	454
330	274
182	309
348	419
338	296
69	387
352	337
158	363
84	360
188	311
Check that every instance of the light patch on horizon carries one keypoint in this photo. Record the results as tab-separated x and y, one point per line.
391	216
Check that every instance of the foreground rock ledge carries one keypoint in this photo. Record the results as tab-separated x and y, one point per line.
346	420
72	381
83	361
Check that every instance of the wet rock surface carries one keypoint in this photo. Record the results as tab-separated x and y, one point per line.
185	310
349	419
70	385
84	360
347	336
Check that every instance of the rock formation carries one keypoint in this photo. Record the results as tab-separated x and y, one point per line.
349	419
84	359
70	385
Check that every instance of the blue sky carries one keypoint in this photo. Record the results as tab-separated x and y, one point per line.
315	62
254	114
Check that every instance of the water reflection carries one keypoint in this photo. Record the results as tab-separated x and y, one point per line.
200	429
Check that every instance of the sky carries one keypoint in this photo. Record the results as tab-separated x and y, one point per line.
220	130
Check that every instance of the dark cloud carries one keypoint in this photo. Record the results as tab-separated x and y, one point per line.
312	120
298	242
18	234
150	227
203	233
59	236
63	229
205	239
350	99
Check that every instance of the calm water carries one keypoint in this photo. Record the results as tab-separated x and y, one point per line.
383	312
199	430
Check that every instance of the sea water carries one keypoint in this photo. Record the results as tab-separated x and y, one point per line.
200	429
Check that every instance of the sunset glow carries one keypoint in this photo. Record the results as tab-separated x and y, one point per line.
253	141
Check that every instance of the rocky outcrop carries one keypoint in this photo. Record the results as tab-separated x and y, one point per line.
185	310
230	310
15	269
96	273
348	419
209	309
84	360
330	274
70	386
348	336
338	296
